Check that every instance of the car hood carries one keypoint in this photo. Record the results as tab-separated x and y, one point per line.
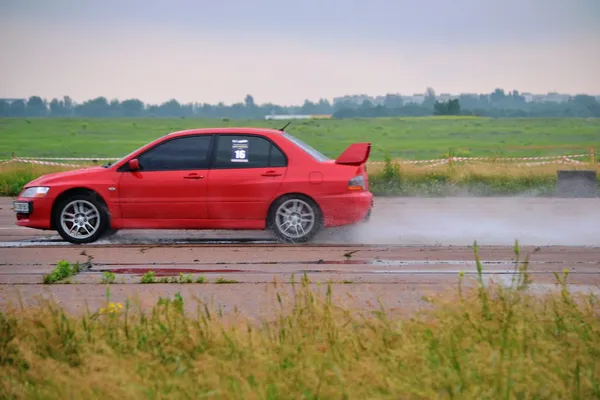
49	179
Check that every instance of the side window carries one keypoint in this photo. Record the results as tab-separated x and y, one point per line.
185	153
241	151
277	158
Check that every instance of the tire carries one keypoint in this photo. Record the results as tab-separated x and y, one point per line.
300	231
96	218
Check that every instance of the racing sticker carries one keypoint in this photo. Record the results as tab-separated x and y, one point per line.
239	150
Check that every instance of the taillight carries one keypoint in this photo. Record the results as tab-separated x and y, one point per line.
357	183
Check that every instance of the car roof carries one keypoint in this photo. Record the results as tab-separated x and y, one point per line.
228	130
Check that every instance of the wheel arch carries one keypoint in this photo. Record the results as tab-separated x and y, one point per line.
72	192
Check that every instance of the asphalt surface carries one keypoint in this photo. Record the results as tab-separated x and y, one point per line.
410	247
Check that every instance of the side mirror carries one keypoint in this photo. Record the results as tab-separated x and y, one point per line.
134	164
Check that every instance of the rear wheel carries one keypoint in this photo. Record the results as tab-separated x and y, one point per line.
295	219
81	219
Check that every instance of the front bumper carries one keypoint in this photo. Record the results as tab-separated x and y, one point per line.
36	214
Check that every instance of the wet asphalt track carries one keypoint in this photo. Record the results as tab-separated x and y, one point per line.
410	246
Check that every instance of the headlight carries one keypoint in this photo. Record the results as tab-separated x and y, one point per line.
36	191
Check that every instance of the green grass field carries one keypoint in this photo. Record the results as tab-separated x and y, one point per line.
408	138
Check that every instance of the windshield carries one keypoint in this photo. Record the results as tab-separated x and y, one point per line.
314	153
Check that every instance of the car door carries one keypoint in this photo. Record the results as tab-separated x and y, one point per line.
170	187
245	176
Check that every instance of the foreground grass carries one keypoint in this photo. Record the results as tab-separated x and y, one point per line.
14	176
393	179
407	138
485	342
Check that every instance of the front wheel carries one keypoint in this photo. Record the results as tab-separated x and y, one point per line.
295	219
81	219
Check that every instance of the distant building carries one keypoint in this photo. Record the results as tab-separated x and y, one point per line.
415	98
12	100
445	97
528	97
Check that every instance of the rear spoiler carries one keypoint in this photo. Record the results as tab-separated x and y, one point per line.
355	154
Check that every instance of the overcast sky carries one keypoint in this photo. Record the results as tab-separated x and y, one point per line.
287	51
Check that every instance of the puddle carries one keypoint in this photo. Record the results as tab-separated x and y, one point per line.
31	244
386	263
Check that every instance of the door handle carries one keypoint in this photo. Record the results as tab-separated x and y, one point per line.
193	176
271	173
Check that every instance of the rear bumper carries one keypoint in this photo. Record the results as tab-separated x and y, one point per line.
346	209
39	218
368	216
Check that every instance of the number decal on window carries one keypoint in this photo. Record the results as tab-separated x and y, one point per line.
239	149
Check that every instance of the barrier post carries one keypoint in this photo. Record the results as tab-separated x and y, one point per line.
592	156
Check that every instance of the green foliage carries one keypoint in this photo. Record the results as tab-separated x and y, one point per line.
167	303
485	341
108	277
185	278
63	270
495	104
475	180
12	180
450	107
148	277
222	280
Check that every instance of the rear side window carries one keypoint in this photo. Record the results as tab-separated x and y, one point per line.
277	158
245	151
184	153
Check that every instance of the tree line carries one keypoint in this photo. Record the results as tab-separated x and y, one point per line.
495	104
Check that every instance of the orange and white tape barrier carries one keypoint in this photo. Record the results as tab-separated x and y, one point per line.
568	159
41	160
531	161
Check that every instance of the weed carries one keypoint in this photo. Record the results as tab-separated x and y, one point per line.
200	279
108	277
148	277
177	302
63	270
112	309
225	281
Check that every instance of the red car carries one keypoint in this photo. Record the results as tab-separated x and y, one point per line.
222	178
